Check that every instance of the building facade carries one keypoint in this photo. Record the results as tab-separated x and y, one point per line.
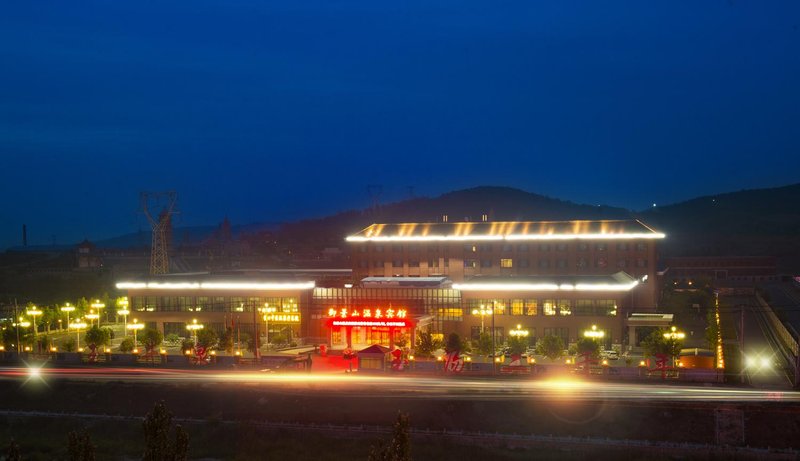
547	278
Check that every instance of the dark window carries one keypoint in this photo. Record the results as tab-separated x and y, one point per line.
397	248
363	263
397	263
544	247
622	263
413	247
522	247
561	263
508	247
524	263
544	263
641	246
640	262
377	263
600	246
469	248
601	262
486	247
413	264
486	263
622	246
562	247
583	246
582	263
379	248
470	263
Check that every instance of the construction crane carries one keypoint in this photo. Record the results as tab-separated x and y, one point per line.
161	227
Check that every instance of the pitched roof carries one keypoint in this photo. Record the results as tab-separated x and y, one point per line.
506	230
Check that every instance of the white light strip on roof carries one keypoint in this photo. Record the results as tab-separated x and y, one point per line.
470	238
215	286
544	286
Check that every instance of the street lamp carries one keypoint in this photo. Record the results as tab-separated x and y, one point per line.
519	332
674	335
594	333
68	308
92	316
483	311
135	326
267	310
193	327
33	312
99	306
124	313
78	325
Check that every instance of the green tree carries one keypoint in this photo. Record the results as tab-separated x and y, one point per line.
453	343
401	340
12	452
187	343
126	345
484	343
69	345
79	446
207	338
97	336
551	347
172	339
227	340
657	343
426	344
712	330
589	345
398	448
518	344
157	426
151	338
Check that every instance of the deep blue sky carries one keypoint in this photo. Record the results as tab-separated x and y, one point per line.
267	111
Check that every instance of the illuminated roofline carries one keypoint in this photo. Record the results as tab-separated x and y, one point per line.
215	286
515	237
544	286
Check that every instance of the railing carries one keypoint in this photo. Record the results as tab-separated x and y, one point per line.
787	339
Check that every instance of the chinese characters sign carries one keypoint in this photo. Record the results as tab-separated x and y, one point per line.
368	317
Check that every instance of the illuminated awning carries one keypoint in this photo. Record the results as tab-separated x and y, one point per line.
620	281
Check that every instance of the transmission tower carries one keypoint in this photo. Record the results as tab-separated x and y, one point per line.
162	228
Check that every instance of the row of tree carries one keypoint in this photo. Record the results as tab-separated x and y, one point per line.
163	441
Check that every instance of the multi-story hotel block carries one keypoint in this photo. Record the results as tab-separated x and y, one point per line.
549	278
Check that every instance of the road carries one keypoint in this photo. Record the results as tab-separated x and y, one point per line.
565	387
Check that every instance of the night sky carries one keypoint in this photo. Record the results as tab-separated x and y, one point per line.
270	111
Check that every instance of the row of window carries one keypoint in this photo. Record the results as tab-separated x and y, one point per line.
522	247
532	307
212	304
581	263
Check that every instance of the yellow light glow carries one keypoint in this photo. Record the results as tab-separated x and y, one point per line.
215	285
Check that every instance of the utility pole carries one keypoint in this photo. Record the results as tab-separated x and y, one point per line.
494	334
16	322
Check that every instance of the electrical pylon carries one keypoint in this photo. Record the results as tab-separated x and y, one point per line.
162	228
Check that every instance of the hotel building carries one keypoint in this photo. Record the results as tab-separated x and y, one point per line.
549	278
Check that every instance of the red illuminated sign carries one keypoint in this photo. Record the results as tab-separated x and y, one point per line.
368	317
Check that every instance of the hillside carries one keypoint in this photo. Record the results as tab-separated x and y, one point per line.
499	203
759	222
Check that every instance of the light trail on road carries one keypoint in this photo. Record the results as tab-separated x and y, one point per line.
567	388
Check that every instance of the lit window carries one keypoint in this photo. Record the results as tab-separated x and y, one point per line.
506	262
470	263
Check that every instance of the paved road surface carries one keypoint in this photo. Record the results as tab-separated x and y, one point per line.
565	387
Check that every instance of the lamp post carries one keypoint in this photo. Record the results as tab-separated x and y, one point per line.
494	333
135	326
67	309
193	327
518	332
267	311
483	311
674	335
78	326
33	312
92	316
99	306
124	313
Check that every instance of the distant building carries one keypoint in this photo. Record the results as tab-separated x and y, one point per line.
722	268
